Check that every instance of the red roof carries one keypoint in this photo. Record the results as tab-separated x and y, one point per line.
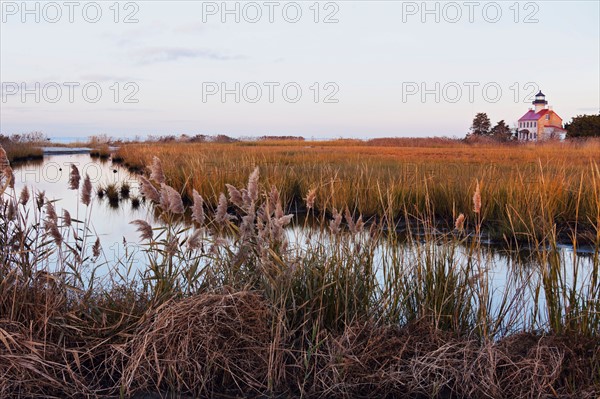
532	116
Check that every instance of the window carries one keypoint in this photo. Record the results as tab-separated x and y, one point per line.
548	117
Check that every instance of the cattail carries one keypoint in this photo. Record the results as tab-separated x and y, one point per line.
170	200
86	193
10	177
96	248
334	224
310	198
477	200
253	185
51	212
148	190
74	178
195	240
156	171
198	208
144	229
460	222
67	218
24	197
235	196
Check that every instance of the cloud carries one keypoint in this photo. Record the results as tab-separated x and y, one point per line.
107	78
195	27
152	55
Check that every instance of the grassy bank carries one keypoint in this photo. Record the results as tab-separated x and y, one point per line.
231	306
22	151
526	188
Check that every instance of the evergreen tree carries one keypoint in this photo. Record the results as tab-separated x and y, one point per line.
481	125
584	126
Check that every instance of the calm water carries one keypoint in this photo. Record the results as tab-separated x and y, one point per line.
111	222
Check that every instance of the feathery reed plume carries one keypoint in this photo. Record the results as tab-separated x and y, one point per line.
86	194
334	224
51	212
51	223
195	240
156	171
96	248
198	208
477	199
221	215
350	221
235	196
170	200
274	196
144	229
10	176
67	218
253	185
10	213
24	197
148	190
40	199
3	158
74	178
310	198
172	246
52	229
460	222
359	225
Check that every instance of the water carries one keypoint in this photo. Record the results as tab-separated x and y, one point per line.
110	222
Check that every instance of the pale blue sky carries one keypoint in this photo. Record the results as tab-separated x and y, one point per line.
376	49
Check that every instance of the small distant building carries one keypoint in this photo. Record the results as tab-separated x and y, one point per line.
540	123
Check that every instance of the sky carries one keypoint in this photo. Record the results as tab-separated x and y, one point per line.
327	69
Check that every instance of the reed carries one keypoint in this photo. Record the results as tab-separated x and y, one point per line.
238	304
102	152
17	151
526	187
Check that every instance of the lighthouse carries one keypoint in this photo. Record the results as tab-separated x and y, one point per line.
540	123
540	102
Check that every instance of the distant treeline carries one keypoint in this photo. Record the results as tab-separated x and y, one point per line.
24	138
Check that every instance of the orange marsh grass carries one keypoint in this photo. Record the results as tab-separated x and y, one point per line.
527	188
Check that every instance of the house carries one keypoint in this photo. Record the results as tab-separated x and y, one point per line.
540	123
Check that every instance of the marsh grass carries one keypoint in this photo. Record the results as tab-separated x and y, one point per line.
19	152
231	305
526	189
102	152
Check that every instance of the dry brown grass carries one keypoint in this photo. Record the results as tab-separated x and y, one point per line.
525	187
201	345
224	344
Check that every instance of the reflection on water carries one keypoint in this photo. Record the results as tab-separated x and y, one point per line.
514	272
110	219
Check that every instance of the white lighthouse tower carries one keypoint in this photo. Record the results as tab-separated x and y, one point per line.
540	102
